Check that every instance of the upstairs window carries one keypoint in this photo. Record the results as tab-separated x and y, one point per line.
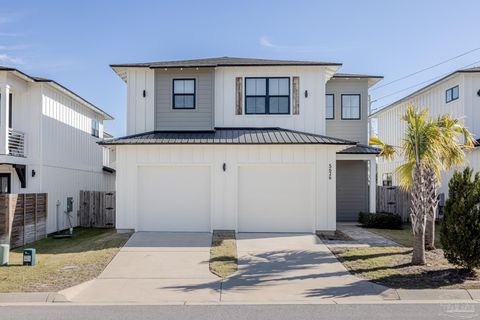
267	95
451	94
330	107
387	180
95	128
183	93
351	106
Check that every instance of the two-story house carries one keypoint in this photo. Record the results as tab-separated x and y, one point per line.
48	143
250	145
457	94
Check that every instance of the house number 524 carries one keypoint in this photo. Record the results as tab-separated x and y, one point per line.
329	171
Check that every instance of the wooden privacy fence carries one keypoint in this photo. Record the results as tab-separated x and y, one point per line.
23	218
97	209
394	200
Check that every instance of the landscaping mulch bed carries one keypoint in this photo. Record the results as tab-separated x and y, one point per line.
390	266
337	236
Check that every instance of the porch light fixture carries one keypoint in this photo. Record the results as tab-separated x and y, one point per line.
33	173
224	166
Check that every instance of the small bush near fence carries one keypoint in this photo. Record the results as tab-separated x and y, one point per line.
380	220
460	230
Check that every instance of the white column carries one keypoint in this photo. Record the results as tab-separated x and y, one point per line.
4	115
373	185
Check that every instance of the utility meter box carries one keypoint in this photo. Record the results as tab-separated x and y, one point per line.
29	257
70	204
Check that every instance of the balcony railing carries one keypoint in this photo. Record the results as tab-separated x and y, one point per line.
16	143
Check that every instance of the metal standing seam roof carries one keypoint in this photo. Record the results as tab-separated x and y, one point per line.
228	136
360	149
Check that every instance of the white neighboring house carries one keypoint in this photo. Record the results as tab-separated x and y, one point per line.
457	94
48	143
243	144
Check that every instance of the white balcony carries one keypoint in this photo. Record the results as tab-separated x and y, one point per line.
16	143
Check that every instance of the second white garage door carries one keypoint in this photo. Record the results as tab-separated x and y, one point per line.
276	198
174	198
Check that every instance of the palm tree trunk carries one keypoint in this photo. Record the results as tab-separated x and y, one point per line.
418	255
418	214
432	198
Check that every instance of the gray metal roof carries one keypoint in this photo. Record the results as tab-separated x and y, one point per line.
360	149
225	62
227	136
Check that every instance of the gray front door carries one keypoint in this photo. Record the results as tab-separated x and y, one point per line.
352	189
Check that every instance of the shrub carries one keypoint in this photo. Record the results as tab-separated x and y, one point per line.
460	228
380	220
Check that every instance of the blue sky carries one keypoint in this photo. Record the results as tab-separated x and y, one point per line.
74	42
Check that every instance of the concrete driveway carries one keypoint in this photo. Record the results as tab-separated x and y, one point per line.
157	267
151	267
293	267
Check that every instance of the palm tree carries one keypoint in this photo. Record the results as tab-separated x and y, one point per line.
428	147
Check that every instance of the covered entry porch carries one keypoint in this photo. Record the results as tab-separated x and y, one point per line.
356	182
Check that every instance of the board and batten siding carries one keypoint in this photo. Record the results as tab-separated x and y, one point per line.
391	127
71	158
224	184
200	118
140	108
354	130
311	117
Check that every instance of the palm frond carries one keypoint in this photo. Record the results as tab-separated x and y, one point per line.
386	151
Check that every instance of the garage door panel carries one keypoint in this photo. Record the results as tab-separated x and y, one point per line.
276	198
174	198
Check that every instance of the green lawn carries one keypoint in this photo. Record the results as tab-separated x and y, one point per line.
62	263
404	236
223	254
390	266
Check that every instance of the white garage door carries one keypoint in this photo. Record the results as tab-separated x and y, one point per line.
276	199
174	198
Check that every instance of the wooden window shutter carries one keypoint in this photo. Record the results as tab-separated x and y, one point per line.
295	95
238	95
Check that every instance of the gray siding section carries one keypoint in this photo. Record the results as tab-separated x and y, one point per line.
201	118
355	130
352	189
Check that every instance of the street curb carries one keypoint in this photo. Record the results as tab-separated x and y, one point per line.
405	296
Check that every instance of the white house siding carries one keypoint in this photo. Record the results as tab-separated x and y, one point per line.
140	109
312	108
391	127
224	184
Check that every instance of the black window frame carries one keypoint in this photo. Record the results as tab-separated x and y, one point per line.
452	90
387	179
95	128
267	96
9	179
333	96
359	106
184	94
